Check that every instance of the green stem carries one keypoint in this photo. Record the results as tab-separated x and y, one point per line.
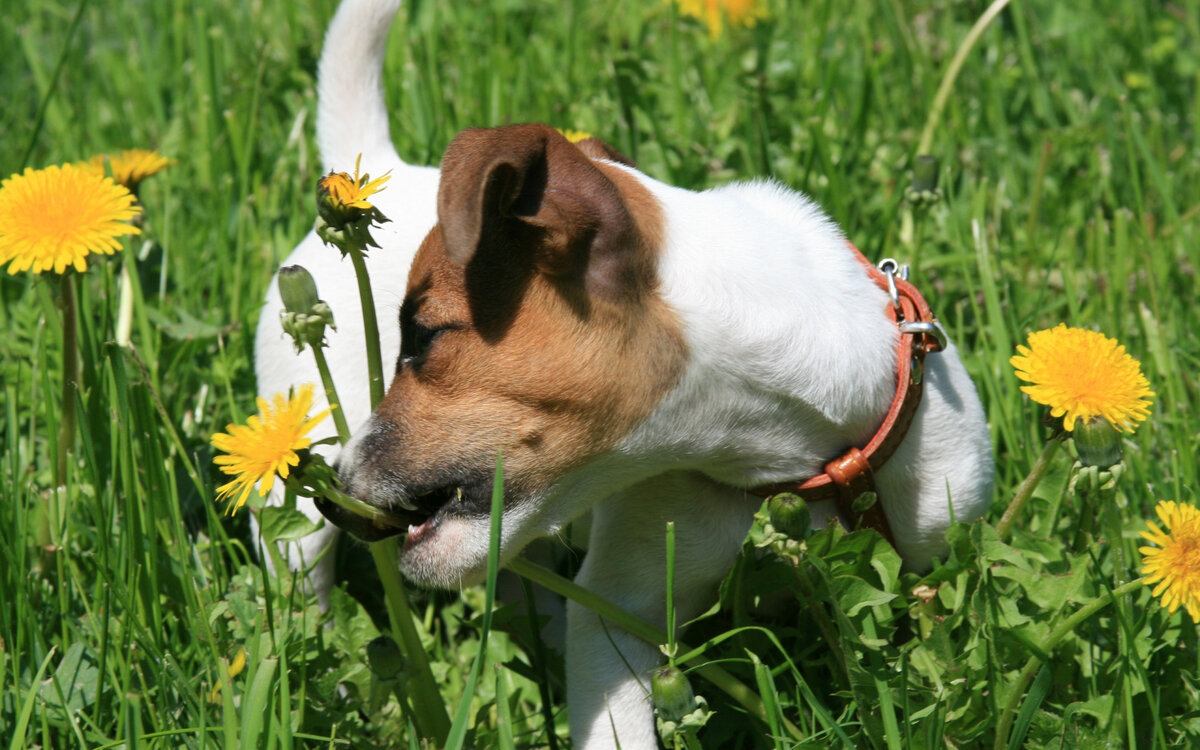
671	645
1112	520
1065	628
948	78
1085	532
70	379
638	627
1025	491
432	720
356	506
370	325
335	404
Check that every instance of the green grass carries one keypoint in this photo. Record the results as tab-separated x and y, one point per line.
1071	182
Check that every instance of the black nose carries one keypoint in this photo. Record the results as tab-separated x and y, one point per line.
360	527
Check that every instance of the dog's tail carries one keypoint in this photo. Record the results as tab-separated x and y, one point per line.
352	116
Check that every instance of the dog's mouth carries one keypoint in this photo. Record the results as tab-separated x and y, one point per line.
416	516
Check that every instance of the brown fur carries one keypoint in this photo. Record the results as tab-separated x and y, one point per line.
555	344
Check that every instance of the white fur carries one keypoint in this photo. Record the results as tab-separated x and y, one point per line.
790	360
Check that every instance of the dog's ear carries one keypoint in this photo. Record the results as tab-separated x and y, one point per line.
523	194
594	148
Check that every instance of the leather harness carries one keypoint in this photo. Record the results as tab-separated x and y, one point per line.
850	476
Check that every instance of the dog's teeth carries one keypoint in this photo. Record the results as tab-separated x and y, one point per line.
406	504
458	494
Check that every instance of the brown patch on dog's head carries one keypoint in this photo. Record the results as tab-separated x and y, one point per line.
531	325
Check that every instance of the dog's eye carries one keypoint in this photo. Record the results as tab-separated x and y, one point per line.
415	340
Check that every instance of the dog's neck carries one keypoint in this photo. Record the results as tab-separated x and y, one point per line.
768	369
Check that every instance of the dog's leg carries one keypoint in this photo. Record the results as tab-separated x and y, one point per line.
943	469
609	682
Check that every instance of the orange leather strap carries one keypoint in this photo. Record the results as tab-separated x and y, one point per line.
851	474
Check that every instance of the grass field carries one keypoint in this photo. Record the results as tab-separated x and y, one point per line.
1070	184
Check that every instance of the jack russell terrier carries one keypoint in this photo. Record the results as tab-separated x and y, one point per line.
639	350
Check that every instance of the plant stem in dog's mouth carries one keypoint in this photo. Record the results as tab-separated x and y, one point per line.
359	508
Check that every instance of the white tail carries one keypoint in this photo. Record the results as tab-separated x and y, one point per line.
352	115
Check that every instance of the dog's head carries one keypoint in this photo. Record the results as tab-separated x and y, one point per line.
531	328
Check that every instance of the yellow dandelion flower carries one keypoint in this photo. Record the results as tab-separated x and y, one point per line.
51	219
575	136
94	165
1174	564
343	191
133	165
716	13
266	445
1081	375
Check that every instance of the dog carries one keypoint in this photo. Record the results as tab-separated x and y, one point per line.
649	353
642	351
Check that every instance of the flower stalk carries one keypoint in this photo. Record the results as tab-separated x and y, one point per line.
70	376
335	405
304	318
1031	482
429	708
345	219
370	327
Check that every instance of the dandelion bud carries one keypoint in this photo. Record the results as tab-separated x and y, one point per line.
1096	442
672	694
385	659
305	316
923	190
790	515
925	172
298	290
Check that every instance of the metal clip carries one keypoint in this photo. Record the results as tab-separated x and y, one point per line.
926	328
891	268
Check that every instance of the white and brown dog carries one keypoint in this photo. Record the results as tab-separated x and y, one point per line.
639	350
648	353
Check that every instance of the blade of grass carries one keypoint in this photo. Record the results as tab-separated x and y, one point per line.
1033	701
22	726
462	718
504	719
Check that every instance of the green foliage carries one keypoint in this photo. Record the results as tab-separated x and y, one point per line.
1070	191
